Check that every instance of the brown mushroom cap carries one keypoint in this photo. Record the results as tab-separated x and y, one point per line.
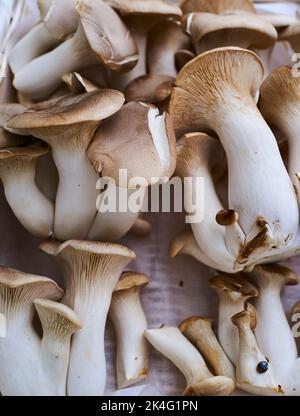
217	6
129	280
141	7
189	323
149	89
205	81
108	36
292	34
7	111
280	97
24	287
210	31
246	317
54	248
93	106
236	283
32	150
125	141
274	273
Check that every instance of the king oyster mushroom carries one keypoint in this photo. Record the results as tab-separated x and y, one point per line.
225	104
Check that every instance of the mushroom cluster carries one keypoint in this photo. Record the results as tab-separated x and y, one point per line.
102	100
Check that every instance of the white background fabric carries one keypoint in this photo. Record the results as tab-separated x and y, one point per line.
166	299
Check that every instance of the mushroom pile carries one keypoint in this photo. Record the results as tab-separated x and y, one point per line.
104	100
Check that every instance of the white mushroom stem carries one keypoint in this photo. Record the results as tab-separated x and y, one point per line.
233	291
273	332
59	323
21	367
129	321
34	211
200	333
254	372
170	342
91	272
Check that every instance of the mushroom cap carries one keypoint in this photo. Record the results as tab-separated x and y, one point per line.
7	111
246	317
291	33
279	21
211	30
47	308
73	109
149	7
227	217
235	283
274	273
198	150
32	150
210	80
280	97
136	139
55	248
149	88
37	286
192	321
107	35
131	279
213	386
217	6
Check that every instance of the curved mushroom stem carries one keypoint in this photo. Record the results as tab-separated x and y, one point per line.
128	317
233	291
91	272
254	372
200	333
170	342
34	211
35	43
273	332
21	369
59	323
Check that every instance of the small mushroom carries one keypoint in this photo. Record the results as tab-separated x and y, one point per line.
21	368
273	332
17	172
114	149
59	20
101	35
216	92
200	333
170	342
140	16
247	31
129	321
233	291
59	323
91	272
254	372
217	6
68	125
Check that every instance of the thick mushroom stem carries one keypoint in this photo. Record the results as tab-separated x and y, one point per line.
170	342
59	323
91	272
17	172
197	155
200	333
254	372
226	104
279	104
21	369
68	125
129	321
273	332
233	291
